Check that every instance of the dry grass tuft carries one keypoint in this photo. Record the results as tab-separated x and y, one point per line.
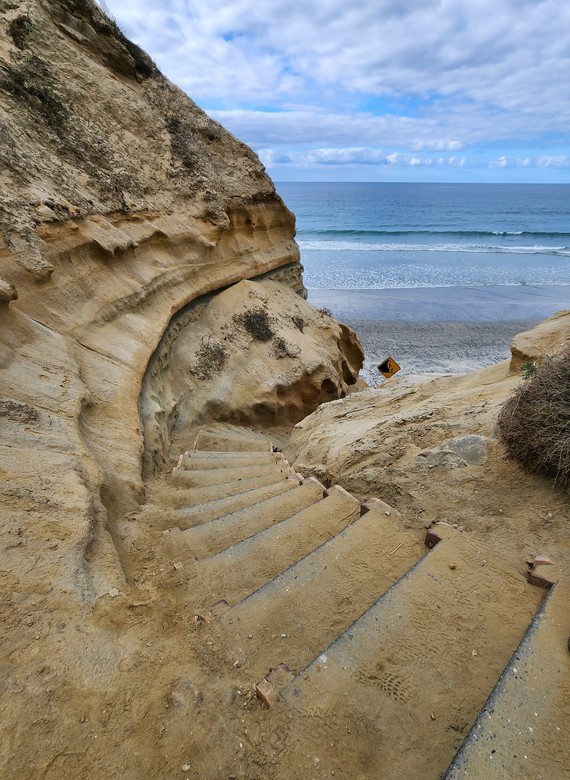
534	424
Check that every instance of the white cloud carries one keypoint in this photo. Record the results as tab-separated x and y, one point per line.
504	52
354	156
500	162
553	161
440	76
542	161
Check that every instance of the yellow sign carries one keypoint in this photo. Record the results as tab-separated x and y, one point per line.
389	367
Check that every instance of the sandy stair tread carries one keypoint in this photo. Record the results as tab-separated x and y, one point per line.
222	442
330	589
228	529
221	476
520	731
194	496
177	511
200	459
246	566
235	431
415	669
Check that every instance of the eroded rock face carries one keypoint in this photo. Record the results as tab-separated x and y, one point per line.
121	202
418	444
256	353
548	338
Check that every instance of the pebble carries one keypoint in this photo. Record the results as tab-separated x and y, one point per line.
453	566
113	593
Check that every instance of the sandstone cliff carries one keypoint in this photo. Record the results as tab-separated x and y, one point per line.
121	203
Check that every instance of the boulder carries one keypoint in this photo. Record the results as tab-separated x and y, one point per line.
547	338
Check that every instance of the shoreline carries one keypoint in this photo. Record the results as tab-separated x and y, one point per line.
440	330
490	303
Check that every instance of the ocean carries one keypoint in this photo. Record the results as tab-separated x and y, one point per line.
438	276
387	235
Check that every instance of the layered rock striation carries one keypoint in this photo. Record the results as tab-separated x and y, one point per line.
122	207
121	203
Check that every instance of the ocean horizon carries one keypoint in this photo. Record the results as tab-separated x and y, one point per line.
376	235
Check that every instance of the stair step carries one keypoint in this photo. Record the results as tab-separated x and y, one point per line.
415	669
222	443
191	516
241	569
221	476
235	431
339	580
520	731
193	497
212	537
200	459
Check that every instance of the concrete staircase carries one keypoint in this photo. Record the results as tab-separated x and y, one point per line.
373	650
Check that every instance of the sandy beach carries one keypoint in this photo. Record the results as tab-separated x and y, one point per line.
440	329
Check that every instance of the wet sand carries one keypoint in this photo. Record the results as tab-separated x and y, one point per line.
440	329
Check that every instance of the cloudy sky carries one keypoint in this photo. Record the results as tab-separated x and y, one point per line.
374	90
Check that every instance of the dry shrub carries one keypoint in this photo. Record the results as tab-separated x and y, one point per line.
256	323
210	360
534	424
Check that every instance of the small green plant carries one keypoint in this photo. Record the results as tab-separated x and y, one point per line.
108	26
528	369
181	142
210	360
34	84
256	323
19	29
299	322
324	310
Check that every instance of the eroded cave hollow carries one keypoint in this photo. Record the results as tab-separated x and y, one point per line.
255	353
